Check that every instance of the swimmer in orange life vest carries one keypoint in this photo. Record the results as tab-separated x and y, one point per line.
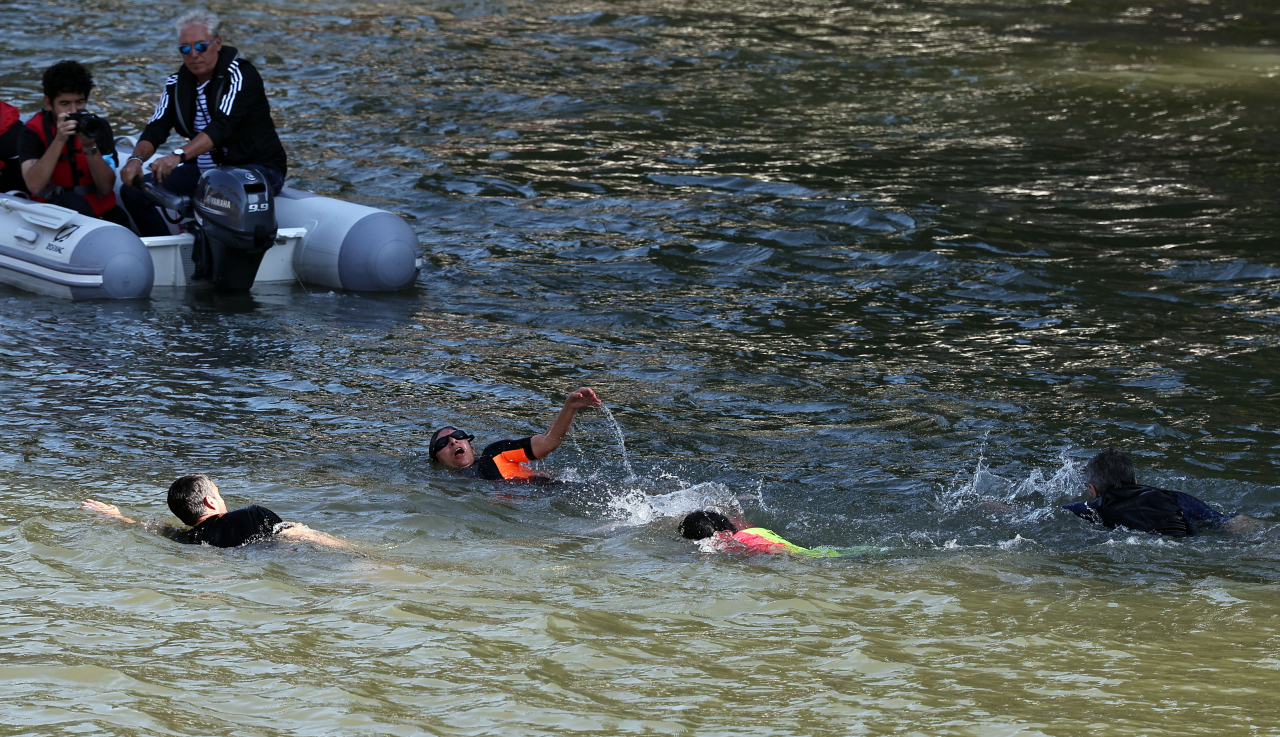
506	459
752	540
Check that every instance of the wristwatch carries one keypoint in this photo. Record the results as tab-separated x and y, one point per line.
181	154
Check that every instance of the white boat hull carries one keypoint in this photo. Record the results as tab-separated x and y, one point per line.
321	241
51	250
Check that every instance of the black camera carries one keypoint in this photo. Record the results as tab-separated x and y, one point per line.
87	123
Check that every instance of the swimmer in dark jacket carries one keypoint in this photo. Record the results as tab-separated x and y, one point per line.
506	459
196	501
1117	500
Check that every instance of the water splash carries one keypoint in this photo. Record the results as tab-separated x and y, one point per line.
617	430
1039	490
638	508
1018	541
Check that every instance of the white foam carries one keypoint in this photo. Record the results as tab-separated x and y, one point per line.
1038	492
636	507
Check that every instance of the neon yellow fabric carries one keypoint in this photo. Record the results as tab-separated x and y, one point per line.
760	540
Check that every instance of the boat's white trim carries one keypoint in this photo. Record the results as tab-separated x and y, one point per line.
182	239
171	268
160	241
51	275
34	284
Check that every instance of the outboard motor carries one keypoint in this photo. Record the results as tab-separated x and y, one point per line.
236	214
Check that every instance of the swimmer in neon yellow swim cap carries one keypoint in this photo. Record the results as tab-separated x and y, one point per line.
752	540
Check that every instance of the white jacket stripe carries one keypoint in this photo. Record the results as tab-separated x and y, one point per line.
164	98
237	81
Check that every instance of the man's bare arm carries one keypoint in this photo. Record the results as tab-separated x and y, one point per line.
106	510
1243	525
299	531
548	441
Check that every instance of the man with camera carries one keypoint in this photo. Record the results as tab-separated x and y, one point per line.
64	148
217	102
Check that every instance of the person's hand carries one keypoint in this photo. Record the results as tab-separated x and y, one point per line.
131	171
110	510
1242	525
66	129
163	167
584	397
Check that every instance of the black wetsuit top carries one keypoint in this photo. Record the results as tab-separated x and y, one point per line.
504	459
233	529
1148	509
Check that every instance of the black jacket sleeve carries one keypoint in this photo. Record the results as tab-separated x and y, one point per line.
165	116
244	98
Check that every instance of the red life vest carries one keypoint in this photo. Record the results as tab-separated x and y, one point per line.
8	116
72	170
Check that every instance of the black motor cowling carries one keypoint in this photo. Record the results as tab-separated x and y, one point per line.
236	213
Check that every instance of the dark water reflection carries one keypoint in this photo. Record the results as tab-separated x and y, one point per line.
776	237
858	269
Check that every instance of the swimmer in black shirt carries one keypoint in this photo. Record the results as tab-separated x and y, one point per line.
196	501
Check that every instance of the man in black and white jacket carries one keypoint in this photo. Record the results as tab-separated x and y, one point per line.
216	100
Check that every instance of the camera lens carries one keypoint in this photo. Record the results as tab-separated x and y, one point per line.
92	126
88	124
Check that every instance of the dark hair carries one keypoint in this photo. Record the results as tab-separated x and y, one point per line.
702	524
187	495
66	76
1109	469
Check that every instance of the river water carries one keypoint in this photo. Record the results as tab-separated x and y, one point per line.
875	274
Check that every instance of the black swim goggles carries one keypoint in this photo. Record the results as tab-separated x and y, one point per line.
439	443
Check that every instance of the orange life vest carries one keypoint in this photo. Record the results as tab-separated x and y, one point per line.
511	464
72	170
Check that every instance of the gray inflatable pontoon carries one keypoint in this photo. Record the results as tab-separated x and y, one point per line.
319	240
51	250
349	246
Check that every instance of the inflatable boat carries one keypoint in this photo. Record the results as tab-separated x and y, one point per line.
232	234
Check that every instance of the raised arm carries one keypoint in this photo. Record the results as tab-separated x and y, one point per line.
551	439
36	173
106	510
